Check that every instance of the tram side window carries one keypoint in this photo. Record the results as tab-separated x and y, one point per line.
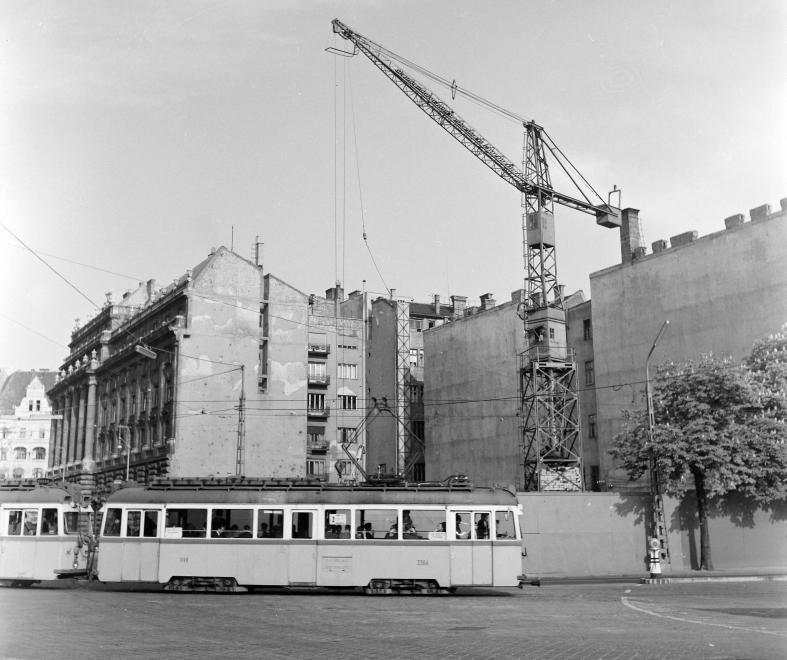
112	522
462	524
270	524
150	526
192	522
481	525
424	524
376	524
302	525
504	525
337	524
49	521
14	523
231	523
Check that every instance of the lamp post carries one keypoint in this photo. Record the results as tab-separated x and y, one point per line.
657	540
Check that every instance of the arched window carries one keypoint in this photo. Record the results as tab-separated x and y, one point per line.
18	473
20	453
39	453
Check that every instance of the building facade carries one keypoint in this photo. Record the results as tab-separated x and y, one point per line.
204	377
25	424
395	381
336	398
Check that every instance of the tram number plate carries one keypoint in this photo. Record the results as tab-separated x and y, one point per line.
184	560
422	562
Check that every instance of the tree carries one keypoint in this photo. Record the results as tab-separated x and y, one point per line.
717	430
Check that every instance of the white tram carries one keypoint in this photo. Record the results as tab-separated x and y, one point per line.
198	536
44	534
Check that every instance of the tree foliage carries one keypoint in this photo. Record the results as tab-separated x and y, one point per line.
719	428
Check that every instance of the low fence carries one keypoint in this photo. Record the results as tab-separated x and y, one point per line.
597	534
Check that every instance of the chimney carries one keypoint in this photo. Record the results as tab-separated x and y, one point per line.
436	298
783	203
151	289
659	246
458	304
335	293
487	301
734	221
630	235
393	294
760	212
683	239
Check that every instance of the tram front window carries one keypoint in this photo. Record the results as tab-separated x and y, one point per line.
49	522
71	522
150	526
504	525
31	522
132	523
112	522
14	523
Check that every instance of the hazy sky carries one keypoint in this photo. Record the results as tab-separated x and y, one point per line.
134	136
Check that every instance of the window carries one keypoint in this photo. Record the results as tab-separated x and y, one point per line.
504	525
418	427
315	468
343	467
186	523
22	433
347	434
317	370
3	454
337	524
38	473
112	522
413	357
316	401
231	523
591	426
302	525
590	378
462	525
42	434
316	435
14	527
30	406
348	402
377	524
551	333
416	324
18	473
347	371
20	453
38	406
148	527
39	453
31	522
270	524
587	329
423	525
481	525
74	522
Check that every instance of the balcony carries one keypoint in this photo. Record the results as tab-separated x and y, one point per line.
319	381
319	349
321	413
318	446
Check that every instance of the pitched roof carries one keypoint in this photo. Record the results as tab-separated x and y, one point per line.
15	388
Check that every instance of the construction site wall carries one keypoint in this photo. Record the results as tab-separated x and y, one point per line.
605	534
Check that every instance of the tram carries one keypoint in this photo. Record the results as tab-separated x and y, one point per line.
203	536
44	534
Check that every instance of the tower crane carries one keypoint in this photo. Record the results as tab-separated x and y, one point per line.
551	447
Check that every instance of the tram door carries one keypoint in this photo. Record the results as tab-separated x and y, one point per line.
471	548
303	548
140	556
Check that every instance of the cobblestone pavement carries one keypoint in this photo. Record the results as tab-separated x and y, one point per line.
599	620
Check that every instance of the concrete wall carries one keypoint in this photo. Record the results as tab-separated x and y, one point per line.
720	292
474	361
596	534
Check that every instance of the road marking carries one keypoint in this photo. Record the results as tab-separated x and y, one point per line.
630	605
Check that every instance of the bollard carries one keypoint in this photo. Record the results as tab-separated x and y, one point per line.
654	559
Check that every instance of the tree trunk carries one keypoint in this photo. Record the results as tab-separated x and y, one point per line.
706	562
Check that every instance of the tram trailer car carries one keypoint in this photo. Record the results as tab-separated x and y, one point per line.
44	535
378	539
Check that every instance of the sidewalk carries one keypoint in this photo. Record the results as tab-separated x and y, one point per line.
768	574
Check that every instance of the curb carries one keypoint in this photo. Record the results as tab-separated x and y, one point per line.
717	578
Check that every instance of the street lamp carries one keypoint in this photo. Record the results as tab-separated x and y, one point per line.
654	543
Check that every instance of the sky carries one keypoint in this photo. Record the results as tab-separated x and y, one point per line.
136	136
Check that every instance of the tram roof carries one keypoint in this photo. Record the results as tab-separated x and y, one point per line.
310	494
33	495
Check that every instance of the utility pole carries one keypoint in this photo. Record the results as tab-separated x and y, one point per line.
240	447
658	547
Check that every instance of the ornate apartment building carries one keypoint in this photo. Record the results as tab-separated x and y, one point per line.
25	424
